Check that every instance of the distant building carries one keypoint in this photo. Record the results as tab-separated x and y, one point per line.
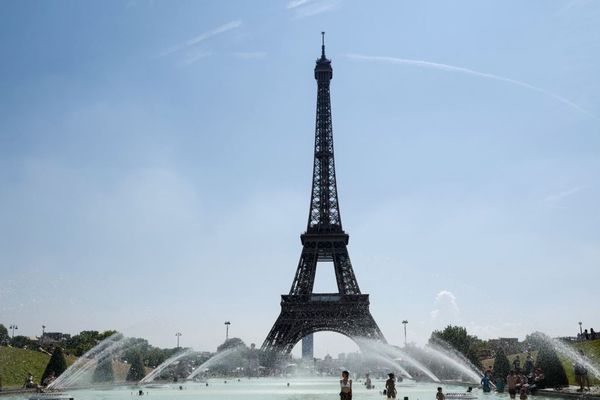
308	347
56	336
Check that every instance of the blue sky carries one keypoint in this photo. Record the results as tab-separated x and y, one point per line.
156	159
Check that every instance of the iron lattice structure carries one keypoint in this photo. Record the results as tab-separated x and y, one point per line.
302	311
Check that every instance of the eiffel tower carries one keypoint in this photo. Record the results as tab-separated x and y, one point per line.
302	311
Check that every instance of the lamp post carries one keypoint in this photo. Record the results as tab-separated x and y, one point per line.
13	327
227	323
43	333
178	334
404	323
580	329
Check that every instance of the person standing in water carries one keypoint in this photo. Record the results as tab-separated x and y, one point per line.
390	387
368	383
346	386
485	383
440	395
511	382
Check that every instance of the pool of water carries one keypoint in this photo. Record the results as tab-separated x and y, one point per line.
269	389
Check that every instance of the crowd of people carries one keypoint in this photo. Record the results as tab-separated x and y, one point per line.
390	387
585	335
523	379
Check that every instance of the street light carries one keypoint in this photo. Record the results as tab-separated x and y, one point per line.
43	332
580	329
404	323
227	323
178	334
13	327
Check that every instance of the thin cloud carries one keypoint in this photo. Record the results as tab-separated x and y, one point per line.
555	198
453	68
247	55
307	8
202	37
298	3
573	4
192	57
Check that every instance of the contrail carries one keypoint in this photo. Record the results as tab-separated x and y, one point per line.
192	42
452	68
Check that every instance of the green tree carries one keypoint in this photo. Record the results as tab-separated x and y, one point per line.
84	341
106	334
24	342
460	340
535	341
81	343
549	362
501	364
3	334
136	346
104	371
155	356
230	344
136	371
56	365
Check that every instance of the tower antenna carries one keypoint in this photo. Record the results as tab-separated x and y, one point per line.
322	44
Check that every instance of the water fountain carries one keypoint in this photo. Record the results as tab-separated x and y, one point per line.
219	358
571	354
419	365
79	374
444	353
166	364
386	351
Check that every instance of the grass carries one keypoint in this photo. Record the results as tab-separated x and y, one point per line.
15	364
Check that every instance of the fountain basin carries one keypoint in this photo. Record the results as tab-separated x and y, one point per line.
310	388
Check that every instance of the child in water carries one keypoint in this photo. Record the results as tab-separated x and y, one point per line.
439	395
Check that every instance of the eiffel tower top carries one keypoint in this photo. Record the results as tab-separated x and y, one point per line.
323	46
323	64
324	215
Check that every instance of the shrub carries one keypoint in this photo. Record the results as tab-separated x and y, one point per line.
136	371
57	364
549	362
501	364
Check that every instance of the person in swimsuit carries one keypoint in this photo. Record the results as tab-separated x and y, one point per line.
345	386
390	387
511	382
